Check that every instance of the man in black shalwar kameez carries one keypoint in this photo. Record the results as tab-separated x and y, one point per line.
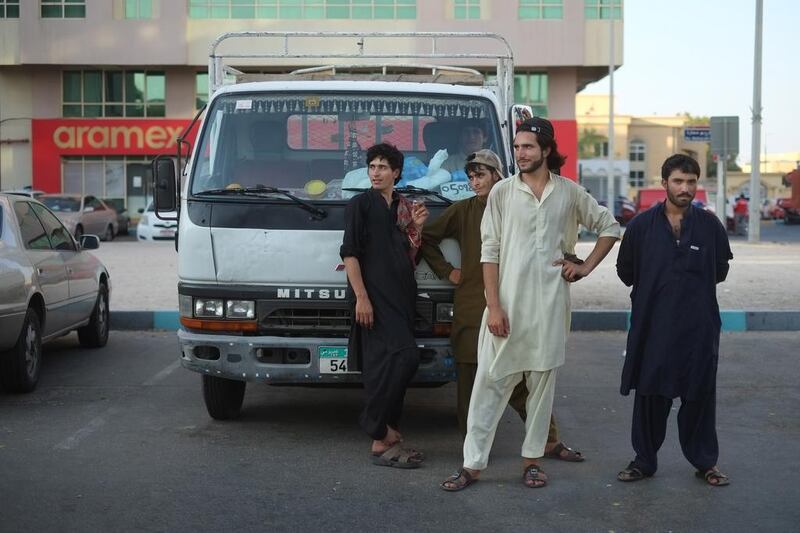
673	255
381	237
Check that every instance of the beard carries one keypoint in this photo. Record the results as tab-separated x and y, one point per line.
679	201
533	166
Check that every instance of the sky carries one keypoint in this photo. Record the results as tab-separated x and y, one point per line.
697	56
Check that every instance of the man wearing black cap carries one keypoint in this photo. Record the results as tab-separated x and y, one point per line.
528	219
462	222
472	137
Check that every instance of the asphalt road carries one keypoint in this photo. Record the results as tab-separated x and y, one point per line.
118	439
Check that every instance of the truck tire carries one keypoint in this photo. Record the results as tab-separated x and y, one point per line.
95	333
223	397
20	366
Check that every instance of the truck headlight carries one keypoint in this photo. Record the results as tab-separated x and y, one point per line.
240	309
208	307
444	312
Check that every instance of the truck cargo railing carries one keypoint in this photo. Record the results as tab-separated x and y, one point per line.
292	42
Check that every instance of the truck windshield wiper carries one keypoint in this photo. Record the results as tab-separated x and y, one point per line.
410	190
265	192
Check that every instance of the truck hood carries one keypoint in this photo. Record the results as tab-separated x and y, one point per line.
293	257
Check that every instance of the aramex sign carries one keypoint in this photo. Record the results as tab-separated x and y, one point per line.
153	137
54	138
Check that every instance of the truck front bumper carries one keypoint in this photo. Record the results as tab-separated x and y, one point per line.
254	359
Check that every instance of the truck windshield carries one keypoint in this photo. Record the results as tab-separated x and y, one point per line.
314	145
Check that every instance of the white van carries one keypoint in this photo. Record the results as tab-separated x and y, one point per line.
261	203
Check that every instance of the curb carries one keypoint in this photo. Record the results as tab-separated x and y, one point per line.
582	320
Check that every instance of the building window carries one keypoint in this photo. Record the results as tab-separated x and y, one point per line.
138	9
636	178
637	151
63	9
531	89
200	89
602	9
467	9
303	9
540	9
125	181
113	93
9	9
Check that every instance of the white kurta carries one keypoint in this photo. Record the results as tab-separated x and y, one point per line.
524	235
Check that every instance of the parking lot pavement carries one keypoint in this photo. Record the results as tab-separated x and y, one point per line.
117	439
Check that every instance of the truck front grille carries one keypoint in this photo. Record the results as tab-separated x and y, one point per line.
313	320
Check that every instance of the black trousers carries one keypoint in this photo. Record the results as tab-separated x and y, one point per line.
386	377
697	431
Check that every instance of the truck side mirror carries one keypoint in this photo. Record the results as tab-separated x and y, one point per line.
165	196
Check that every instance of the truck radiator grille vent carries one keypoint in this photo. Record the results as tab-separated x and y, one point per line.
299	320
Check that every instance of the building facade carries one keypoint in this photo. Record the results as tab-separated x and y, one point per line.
641	144
91	90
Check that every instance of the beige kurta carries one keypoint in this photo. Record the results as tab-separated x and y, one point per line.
524	236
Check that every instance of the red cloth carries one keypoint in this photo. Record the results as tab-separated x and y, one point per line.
740	208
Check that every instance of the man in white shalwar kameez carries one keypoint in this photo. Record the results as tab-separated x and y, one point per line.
530	223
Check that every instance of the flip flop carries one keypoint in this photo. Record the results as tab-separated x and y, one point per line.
454	479
395	457
531	475
632	473
572	456
713	474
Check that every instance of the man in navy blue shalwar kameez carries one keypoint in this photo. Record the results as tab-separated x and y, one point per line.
673	255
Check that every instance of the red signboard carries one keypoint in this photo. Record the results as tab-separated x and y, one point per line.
54	138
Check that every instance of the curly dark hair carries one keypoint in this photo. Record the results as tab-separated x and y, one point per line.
389	152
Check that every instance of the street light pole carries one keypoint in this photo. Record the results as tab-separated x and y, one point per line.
611	60
754	206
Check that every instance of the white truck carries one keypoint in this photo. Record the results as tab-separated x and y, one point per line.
260	200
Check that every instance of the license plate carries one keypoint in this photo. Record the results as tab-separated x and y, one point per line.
167	232
333	360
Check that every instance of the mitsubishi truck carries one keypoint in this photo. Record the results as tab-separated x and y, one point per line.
260	197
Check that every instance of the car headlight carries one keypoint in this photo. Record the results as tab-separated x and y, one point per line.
444	312
242	309
209	308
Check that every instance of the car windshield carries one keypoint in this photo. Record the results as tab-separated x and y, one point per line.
62	203
314	145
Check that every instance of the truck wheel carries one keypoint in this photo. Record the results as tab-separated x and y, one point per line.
95	333
223	397
20	366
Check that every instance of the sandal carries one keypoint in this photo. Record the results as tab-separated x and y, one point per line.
458	481
395	457
632	473
572	456
714	477
534	477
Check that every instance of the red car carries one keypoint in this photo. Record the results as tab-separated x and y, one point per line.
791	214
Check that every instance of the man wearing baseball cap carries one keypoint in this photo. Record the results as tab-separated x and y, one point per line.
527	221
462	222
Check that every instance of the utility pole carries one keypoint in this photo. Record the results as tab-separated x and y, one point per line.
754	206
611	60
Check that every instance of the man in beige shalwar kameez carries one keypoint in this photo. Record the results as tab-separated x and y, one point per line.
529	220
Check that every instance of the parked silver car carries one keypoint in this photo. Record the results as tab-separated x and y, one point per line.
83	214
49	286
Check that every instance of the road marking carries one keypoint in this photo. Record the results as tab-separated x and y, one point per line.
71	442
163	373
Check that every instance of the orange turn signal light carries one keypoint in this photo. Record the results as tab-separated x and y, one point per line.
442	329
219	325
